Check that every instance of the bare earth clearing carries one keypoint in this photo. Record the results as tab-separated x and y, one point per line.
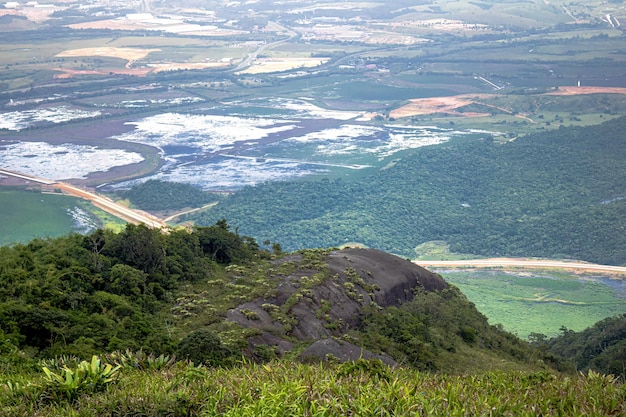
263	65
432	105
582	267
450	105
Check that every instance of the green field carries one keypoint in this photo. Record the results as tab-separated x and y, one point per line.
543	302
25	215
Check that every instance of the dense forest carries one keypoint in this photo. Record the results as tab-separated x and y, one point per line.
158	195
559	194
601	347
82	295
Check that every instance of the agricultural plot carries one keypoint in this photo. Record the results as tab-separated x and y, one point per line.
264	65
541	302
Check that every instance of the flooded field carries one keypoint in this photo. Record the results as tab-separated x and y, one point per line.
227	147
224	147
25	215
541	302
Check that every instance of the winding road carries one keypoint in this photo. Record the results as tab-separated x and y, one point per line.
524	263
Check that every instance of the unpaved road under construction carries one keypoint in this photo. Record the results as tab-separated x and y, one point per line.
104	203
525	263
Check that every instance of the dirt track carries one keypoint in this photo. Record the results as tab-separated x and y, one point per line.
526	263
106	204
124	213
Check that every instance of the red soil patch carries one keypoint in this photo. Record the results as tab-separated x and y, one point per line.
432	105
572	91
69	73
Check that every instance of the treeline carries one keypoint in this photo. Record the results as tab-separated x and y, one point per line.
555	194
83	295
601	347
162	195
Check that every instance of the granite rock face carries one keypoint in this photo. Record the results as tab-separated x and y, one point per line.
324	302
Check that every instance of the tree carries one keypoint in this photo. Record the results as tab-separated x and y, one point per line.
126	280
203	347
139	247
537	339
224	246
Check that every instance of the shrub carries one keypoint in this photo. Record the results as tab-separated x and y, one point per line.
203	347
372	368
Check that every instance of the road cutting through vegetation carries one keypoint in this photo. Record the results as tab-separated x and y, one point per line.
524	263
104	203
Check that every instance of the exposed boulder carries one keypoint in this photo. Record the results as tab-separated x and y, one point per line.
323	296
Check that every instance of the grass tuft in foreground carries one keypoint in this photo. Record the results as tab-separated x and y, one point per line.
362	388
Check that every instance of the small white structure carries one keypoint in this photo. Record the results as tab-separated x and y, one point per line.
11	5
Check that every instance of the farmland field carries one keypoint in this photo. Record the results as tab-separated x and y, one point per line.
540	302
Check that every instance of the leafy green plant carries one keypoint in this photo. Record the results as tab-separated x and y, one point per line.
141	360
249	314
373	368
87	378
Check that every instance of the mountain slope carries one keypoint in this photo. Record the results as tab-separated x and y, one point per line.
558	194
601	348
213	292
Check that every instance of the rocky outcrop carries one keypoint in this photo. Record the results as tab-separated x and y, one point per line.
323	298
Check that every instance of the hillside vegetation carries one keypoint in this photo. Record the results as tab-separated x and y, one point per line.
558	194
213	295
206	322
361	388
601	347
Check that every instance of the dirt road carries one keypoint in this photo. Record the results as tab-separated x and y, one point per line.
106	204
525	263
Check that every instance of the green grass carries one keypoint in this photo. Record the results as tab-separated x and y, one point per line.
539	302
361	388
107	220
